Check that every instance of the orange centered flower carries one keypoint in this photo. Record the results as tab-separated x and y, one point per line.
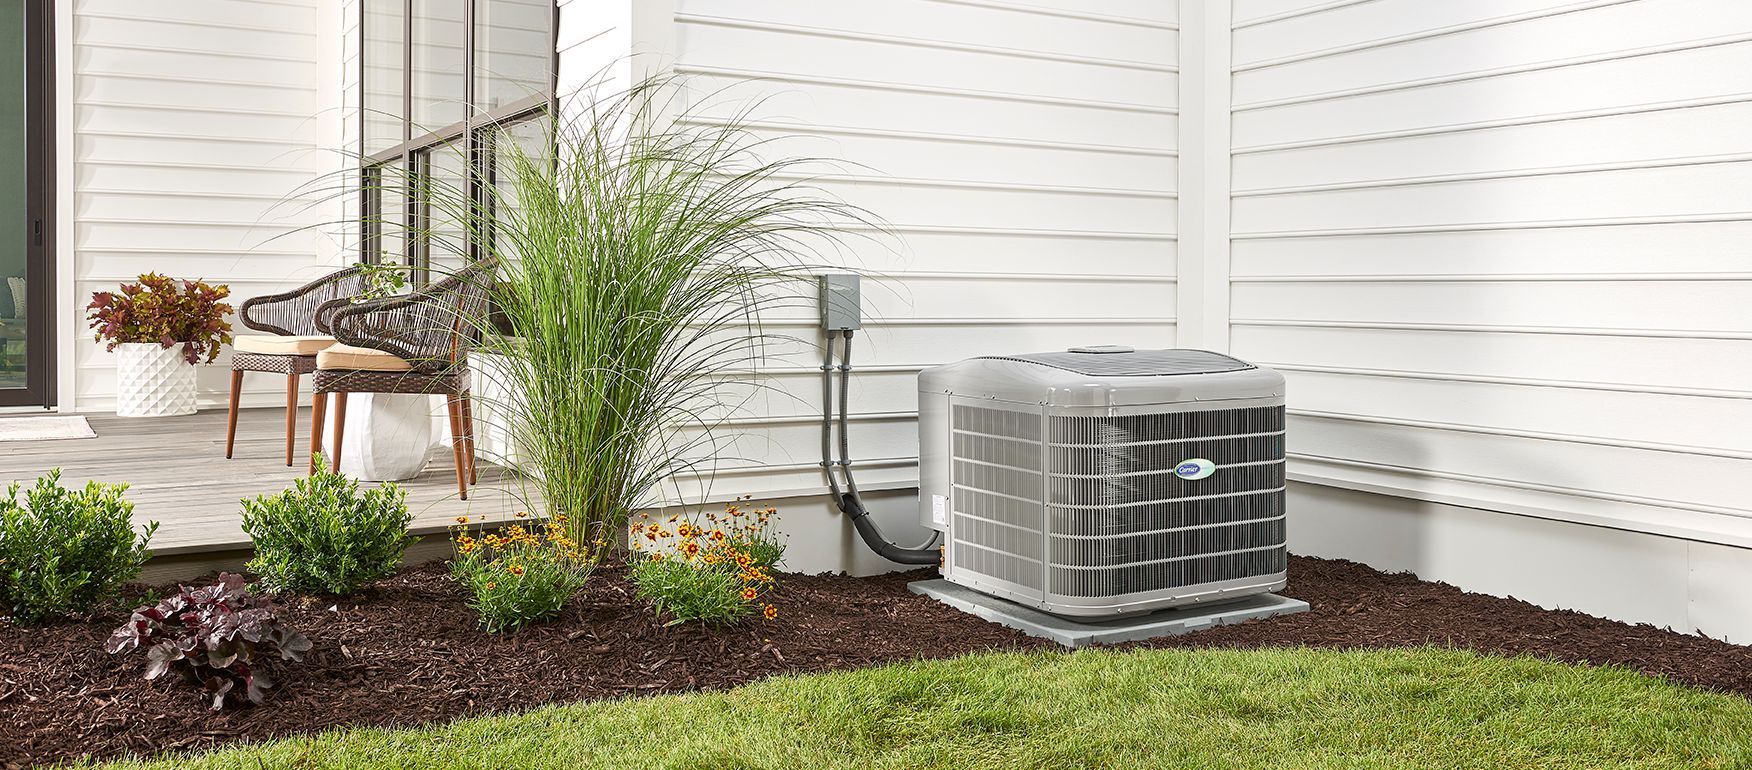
750	594
516	569
491	585
769	612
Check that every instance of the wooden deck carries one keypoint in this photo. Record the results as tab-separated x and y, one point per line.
178	475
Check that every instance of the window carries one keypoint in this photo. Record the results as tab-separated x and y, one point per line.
444	82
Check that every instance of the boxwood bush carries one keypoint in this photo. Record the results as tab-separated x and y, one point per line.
66	550
325	536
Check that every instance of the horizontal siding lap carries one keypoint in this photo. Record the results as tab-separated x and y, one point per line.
1501	246
1706	70
1024	154
194	123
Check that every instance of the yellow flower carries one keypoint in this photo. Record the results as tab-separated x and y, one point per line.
690	548
769	612
462	519
749	594
491	585
516	569
522	514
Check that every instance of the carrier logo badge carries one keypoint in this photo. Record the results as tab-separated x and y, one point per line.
1195	469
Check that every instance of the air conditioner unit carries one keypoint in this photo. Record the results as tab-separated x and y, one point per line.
1105	481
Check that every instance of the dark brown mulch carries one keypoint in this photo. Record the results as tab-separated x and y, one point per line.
406	652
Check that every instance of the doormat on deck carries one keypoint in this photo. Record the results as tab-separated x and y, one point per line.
46	428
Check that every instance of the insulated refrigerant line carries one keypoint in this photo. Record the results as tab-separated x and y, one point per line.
850	502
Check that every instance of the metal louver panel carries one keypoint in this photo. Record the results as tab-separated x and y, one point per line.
1122	522
997	480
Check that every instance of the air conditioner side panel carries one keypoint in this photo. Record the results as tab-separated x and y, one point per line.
934	489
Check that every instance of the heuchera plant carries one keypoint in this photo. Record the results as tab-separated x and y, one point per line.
165	311
215	636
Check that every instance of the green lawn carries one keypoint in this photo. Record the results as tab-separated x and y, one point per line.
1160	709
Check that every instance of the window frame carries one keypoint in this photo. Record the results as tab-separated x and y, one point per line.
414	152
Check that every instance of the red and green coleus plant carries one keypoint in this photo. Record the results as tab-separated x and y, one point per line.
166	311
217	636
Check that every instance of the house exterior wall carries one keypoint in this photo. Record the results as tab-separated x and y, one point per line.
190	123
1499	250
1498	247
1024	158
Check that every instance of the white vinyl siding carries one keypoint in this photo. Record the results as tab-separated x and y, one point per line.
193	121
1024	156
1500	249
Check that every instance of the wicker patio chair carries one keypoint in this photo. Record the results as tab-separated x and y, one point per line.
295	339
415	344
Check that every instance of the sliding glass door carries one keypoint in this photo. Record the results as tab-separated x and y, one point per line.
26	221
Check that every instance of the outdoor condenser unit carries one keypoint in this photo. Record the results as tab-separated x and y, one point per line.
1105	481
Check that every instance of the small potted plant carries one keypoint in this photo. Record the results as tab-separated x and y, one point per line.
159	329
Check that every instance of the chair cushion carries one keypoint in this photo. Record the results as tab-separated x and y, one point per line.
369	359
281	346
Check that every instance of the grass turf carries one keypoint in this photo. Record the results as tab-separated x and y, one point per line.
1286	708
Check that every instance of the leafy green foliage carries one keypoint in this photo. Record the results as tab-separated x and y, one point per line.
324	536
65	550
518	577
218	636
167	312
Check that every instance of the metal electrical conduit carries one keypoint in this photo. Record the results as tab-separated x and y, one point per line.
850	502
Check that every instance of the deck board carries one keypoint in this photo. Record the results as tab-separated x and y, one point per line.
178	475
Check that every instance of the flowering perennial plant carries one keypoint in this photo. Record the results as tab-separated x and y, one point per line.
719	573
516	577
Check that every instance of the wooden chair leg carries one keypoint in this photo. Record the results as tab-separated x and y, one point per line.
318	411
454	406
468	432
340	431
291	415
231	415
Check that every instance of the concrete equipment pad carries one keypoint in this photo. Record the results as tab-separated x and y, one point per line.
1082	633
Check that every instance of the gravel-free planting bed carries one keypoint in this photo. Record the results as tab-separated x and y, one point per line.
406	652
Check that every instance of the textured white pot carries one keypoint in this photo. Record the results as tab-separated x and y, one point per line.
496	400
388	436
153	381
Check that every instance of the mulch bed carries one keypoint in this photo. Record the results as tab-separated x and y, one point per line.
406	652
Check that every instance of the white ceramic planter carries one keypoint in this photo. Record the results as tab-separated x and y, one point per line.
153	381
388	436
496	400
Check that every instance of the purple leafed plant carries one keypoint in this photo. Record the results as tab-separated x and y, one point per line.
215	636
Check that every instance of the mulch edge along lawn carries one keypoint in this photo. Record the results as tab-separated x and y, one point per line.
406	653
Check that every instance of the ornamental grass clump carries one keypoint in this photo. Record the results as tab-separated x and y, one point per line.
324	536
638	247
716	574
66	550
516	577
217	636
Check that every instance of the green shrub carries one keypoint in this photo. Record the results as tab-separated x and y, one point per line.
517	578
324	536
65	550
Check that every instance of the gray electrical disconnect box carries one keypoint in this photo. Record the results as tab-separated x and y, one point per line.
839	302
